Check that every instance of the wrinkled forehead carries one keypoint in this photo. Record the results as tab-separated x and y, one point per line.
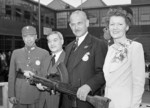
53	36
29	36
78	15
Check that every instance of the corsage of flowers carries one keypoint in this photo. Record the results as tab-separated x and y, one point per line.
86	56
121	52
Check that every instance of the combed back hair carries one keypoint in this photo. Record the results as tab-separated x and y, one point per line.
56	32
124	12
79	12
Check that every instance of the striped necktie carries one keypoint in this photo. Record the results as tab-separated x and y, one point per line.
53	60
75	46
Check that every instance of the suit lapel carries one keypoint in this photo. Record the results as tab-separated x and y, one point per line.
83	49
60	59
68	50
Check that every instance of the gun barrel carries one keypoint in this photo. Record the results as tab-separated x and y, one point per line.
96	101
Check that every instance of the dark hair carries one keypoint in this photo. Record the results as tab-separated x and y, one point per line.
124	12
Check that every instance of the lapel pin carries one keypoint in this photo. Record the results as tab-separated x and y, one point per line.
37	62
86	46
86	56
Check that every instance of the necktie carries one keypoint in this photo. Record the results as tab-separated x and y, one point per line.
75	46
53	60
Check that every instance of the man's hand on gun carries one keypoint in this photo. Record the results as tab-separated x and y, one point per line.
83	92
13	100
28	73
41	87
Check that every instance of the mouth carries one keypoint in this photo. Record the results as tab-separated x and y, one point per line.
52	47
29	42
115	32
77	31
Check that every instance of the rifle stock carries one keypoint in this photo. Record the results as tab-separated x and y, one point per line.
96	101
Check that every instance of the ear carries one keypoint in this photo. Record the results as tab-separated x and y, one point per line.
127	28
62	41
70	25
22	38
35	37
87	23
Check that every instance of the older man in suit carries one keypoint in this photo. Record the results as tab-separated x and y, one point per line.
29	58
55	43
84	60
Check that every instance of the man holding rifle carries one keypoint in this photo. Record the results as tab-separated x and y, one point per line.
29	58
50	99
62	85
84	61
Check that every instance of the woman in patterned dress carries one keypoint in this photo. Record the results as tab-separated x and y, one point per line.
124	67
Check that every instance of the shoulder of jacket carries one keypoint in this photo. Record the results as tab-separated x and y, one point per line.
135	43
95	38
69	44
42	50
18	50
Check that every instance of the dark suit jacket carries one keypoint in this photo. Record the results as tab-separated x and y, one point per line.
87	65
52	101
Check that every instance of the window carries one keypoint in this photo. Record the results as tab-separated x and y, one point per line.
8	10
18	13
135	15
47	20
27	15
6	42
94	18
144	15
62	20
103	13
52	22
34	17
42	18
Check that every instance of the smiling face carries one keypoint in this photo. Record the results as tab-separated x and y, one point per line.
29	40
118	27
79	23
55	43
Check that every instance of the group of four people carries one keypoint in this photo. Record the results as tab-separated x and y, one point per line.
90	63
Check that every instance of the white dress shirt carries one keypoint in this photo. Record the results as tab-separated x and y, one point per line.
80	39
57	55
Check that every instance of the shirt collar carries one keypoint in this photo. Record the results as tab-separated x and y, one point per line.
30	48
57	55
80	39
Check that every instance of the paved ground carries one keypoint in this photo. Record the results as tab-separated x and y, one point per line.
146	97
146	100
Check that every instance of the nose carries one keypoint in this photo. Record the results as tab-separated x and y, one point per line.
115	26
76	26
29	37
51	43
